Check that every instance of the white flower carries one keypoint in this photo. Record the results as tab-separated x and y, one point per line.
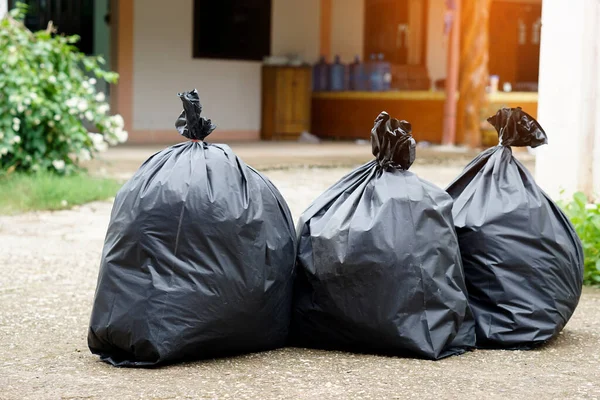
98	141
4	151
68	86
12	49
35	167
51	124
112	140
33	96
72	111
57	117
16	127
92	81
100	96
16	139
37	121
121	135
95	137
52	79
103	109
84	155
59	165
82	105
20	108
27	101
100	147
16	121
72	102
118	121
89	115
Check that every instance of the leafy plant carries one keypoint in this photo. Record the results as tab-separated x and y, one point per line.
47	97
586	219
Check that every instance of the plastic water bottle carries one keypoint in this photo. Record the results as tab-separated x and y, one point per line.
358	75
386	73
337	75
321	75
373	73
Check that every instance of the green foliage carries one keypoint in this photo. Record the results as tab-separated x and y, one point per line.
47	96
46	190
586	219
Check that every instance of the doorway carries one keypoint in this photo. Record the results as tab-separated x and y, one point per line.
89	19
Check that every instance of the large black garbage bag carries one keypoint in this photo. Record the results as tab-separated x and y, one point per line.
522	258
198	259
379	268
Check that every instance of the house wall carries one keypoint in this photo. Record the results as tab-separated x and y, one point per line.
347	29
3	7
230	90
437	43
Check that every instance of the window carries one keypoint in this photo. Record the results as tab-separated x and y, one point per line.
70	17
232	29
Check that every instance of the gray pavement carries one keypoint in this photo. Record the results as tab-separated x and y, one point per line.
48	268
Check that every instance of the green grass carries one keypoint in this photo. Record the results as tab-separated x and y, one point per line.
45	191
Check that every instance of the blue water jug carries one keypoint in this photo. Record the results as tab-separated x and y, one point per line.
386	73
321	75
358	75
337	75
375	74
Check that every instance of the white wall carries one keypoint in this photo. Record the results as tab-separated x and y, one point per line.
295	28
229	90
347	29
3	7
568	102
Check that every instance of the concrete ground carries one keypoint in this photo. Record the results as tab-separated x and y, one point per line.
48	268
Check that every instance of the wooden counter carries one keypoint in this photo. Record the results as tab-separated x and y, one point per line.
350	115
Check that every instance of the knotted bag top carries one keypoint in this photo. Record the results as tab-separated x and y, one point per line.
517	128
392	143
190	124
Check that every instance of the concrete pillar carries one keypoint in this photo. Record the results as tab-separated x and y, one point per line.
569	105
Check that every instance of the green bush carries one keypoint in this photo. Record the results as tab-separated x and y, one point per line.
47	96
586	219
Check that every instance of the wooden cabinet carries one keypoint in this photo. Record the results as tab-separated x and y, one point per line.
286	101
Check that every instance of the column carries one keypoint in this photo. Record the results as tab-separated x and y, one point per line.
569	109
3	7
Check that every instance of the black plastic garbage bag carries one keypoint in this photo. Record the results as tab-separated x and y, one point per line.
379	268
523	260
198	259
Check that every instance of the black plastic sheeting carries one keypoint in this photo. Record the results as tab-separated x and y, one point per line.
198	259
379	268
523	260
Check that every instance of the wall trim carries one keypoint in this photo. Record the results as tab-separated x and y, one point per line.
122	100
